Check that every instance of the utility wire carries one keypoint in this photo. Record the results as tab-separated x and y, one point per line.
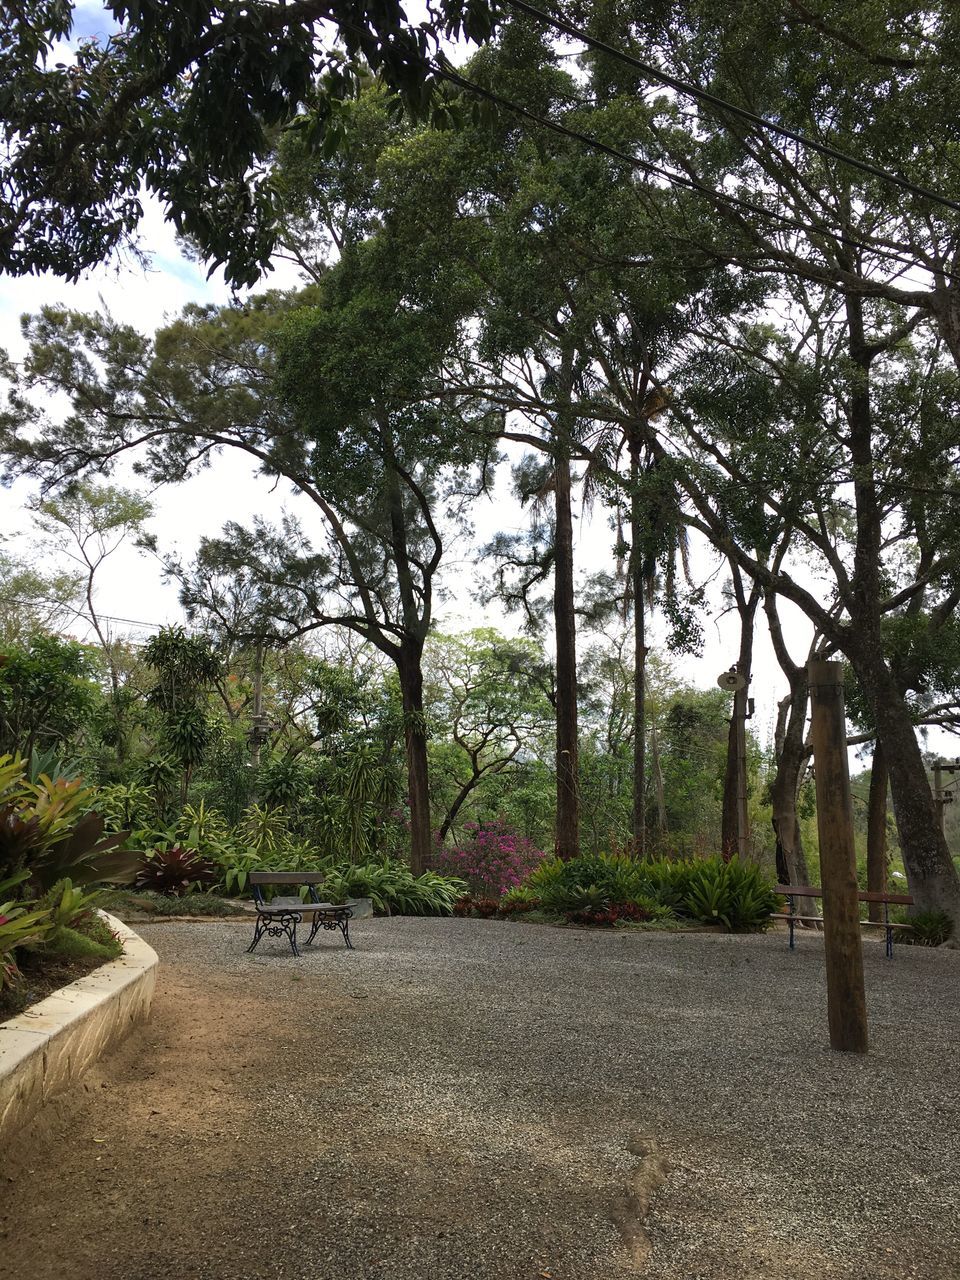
106	617
675	179
711	99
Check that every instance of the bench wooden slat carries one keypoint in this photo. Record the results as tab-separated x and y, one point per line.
811	891
286	877
899	899
305	908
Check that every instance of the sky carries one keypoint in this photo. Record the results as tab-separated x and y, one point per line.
131	585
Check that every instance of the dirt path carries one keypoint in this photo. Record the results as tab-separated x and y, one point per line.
467	1099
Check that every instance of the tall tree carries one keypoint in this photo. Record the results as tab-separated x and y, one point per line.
187	104
89	523
850	425
369	451
490	705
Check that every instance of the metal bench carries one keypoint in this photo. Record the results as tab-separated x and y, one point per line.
280	916
791	892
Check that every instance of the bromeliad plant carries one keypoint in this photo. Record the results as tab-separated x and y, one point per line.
175	870
21	924
48	829
733	894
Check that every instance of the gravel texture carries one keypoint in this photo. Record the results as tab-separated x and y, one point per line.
465	1098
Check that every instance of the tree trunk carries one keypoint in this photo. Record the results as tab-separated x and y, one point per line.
734	834
415	612
415	741
638	586
568	791
465	789
877	831
946	309
930	871
639	731
791	859
656	773
256	742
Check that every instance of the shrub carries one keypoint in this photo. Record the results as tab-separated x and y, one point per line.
517	906
69	905
734	894
394	889
492	857
175	870
599	890
588	883
21	924
48	829
71	944
927	929
522	896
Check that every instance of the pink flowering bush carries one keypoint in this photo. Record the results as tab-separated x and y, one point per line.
491	856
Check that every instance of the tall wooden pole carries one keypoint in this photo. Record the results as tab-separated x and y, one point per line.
938	794
846	1001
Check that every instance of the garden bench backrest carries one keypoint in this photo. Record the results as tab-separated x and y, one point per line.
295	879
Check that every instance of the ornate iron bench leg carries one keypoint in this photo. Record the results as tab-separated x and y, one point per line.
792	922
344	923
259	929
315	927
276	924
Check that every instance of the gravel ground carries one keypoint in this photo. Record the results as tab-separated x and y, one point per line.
496	1100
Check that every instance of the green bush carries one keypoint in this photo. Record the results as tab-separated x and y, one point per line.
927	929
70	944
393	889
733	894
21	924
599	879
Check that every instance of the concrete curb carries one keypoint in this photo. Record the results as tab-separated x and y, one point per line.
49	1046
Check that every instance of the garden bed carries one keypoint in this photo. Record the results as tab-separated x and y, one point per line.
42	976
53	1042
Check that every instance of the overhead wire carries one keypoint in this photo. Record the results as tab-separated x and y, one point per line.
653	72
676	179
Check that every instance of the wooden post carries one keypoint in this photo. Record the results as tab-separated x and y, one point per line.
846	1001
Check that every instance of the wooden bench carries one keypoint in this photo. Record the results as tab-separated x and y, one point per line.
282	915
792	891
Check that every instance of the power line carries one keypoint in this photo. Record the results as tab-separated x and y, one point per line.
105	617
711	99
674	179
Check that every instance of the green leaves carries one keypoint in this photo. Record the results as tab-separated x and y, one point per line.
393	889
187	99
734	894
